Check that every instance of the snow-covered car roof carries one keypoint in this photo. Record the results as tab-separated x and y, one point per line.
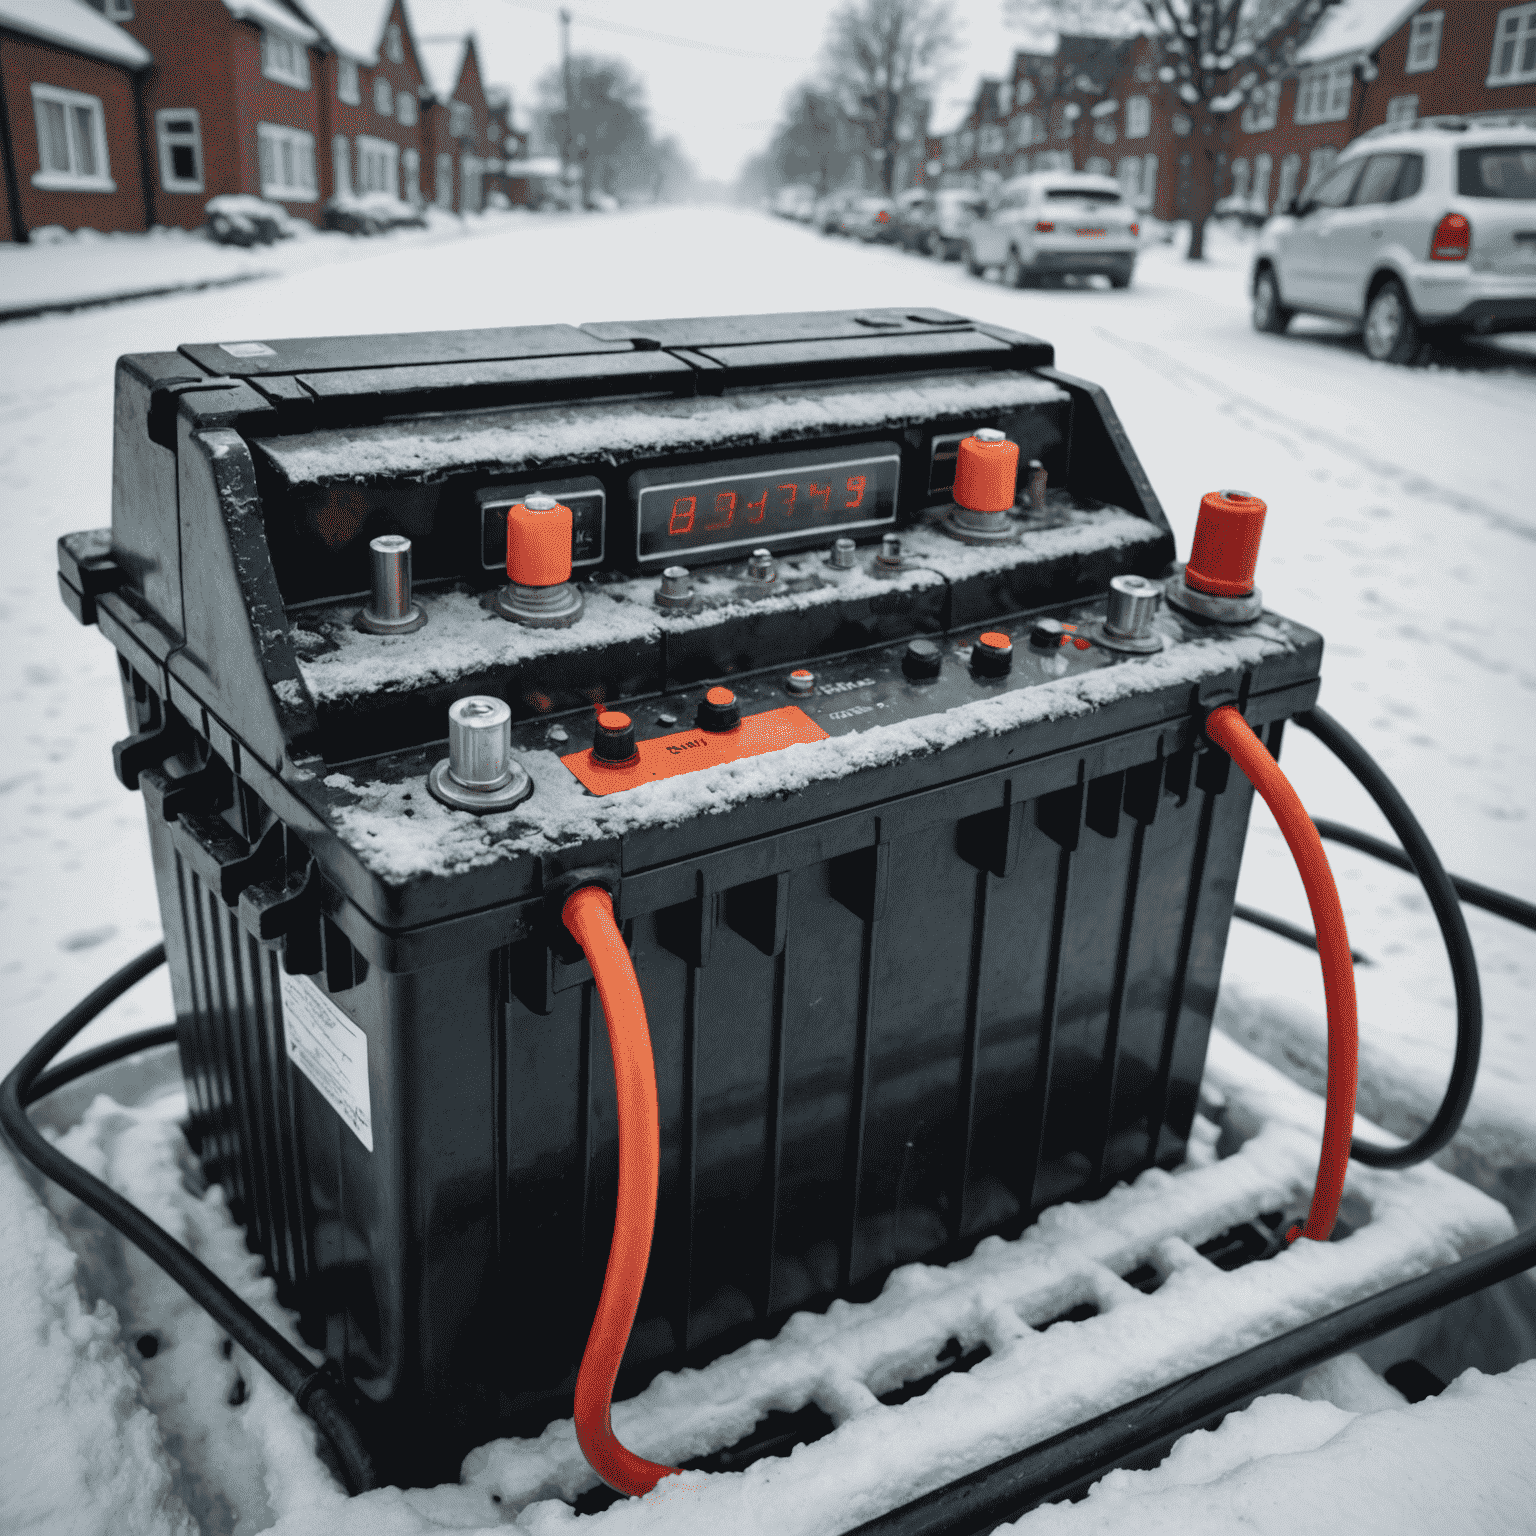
1077	181
1424	134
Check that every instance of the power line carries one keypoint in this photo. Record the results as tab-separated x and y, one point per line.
600	24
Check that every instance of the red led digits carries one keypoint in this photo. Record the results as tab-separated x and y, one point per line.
725	510
682	515
855	491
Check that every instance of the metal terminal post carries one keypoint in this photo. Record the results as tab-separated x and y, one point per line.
890	561
844	555
1127	623
390	610
480	774
1037	484
761	574
676	589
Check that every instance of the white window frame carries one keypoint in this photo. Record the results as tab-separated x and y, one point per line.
166	141
1401	111
394	44
383	97
1263	169
1240	178
1516	27
442	186
461	119
52	179
1323	94
284	59
410	163
341	165
1138	117
377	154
298	158
405	108
1424	42
348	87
1262	111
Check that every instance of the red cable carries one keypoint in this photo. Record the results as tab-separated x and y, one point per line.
588	913
1227	728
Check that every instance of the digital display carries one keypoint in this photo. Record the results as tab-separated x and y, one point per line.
583	496
800	498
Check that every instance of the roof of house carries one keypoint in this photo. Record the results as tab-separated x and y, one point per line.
74	25
354	28
270	13
1355	26
442	62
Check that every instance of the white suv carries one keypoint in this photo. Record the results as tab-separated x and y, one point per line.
1055	222
1430	229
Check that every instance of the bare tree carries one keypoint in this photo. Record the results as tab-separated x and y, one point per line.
814	142
1215	54
882	61
609	129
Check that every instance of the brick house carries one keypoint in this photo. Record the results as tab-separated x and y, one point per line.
457	124
372	95
69	80
232	104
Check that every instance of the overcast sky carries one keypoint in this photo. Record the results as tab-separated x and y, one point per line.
722	104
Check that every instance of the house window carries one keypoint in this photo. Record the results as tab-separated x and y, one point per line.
1263	109
967	144
1514	47
1262	166
71	142
1148	180
461	119
411	163
445	181
341	165
1138	117
1290	175
405	109
471	170
1318	162
378	163
394	44
287	157
1025	128
347	88
1424	43
1240	179
284	60
383	97
1401	111
992	140
1323	95
180	138
1128	173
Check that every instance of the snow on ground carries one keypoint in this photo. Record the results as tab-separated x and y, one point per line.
1401	527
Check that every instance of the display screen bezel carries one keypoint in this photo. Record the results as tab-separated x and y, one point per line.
664	483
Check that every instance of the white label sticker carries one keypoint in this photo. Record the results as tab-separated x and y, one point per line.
247	349
330	1050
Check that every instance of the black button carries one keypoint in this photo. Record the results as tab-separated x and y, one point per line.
992	654
613	741
923	659
718	711
1047	634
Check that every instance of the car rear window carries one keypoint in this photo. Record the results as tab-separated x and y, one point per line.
1079	194
1497	170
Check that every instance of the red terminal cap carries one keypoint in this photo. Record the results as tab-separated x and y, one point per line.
720	696
539	542
995	640
986	472
613	742
612	720
1226	547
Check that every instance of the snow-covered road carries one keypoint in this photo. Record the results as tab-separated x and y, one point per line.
1402	526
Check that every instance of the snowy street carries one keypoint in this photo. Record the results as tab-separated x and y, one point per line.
1401	526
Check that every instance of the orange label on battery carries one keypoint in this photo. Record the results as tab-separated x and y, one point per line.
665	757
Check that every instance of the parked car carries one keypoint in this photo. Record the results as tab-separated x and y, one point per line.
830	210
909	215
867	218
1052	223
1423	230
944	222
795	202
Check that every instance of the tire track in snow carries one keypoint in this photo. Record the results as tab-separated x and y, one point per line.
1407	481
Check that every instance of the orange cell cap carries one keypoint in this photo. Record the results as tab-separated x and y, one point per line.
986	472
539	542
613	720
996	640
721	696
1226	547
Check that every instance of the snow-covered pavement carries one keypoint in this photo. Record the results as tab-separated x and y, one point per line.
1401	526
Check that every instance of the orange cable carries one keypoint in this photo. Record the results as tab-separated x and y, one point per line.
1227	728
588	913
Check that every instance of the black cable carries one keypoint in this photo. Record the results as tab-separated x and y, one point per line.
1453	929
316	1390
99	1056
1291	931
1141	1433
1471	892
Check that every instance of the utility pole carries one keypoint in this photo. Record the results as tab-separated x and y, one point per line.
565	72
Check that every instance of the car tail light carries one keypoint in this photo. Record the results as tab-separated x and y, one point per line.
1135	229
1044	227
1452	239
882	217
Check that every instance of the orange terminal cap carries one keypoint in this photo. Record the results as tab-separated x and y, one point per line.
613	720
986	472
1226	547
539	542
995	640
719	696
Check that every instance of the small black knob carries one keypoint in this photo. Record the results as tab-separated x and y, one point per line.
614	739
1047	634
923	659
718	711
992	655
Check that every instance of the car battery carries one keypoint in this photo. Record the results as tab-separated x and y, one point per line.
901	794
